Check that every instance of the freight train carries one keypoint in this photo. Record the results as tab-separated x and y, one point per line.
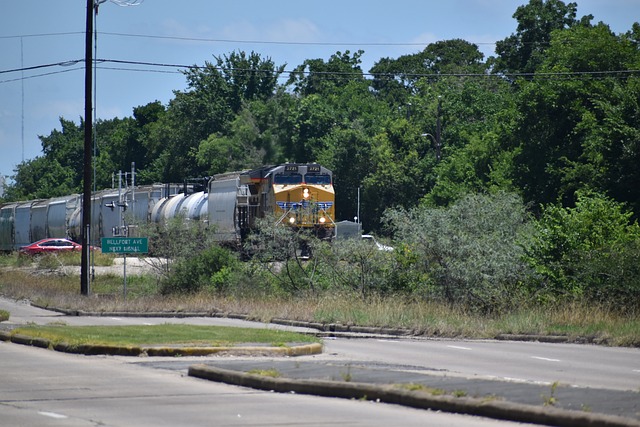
296	195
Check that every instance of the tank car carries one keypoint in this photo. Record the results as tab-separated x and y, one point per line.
297	195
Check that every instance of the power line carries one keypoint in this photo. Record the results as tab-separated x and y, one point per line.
35	67
275	42
17	79
177	67
69	33
235	41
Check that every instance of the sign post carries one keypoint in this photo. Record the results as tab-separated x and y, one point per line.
125	245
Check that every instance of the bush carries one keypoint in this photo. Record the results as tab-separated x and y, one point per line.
356	265
610	276
471	253
211	268
282	254
175	240
589	250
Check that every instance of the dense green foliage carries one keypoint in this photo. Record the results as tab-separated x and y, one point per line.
590	250
503	178
484	253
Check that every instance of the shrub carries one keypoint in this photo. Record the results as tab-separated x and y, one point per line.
610	276
212	267
356	265
590	250
472	251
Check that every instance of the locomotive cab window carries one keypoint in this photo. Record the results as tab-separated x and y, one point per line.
318	179
287	179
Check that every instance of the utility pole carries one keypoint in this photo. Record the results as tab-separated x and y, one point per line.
88	133
92	8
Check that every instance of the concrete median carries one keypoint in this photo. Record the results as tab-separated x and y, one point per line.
495	409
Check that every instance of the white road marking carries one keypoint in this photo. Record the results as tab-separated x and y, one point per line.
545	359
53	415
458	347
636	370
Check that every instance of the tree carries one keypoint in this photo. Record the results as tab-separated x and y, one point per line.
240	150
579	131
395	80
216	93
58	171
42	178
399	172
315	76
524	51
249	78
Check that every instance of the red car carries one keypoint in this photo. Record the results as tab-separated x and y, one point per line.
46	246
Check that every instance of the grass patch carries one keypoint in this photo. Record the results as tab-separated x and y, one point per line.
272	373
431	390
177	334
422	388
578	322
4	315
55	260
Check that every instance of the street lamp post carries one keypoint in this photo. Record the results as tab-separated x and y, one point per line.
436	139
435	144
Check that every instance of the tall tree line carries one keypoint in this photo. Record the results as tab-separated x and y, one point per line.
555	112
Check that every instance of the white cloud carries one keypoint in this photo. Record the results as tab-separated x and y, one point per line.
293	30
283	30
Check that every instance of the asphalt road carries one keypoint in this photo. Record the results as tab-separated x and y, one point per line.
46	388
587	378
573	365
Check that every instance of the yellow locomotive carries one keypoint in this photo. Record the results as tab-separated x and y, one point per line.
298	195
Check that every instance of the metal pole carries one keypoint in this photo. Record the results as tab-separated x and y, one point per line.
22	83
88	132
121	232
438	129
359	220
124	273
133	192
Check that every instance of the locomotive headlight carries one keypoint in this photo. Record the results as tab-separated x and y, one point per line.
292	220
322	220
305	193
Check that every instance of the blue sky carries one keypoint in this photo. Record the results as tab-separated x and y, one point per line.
39	32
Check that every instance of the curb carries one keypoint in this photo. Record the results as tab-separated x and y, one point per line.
169	351
324	329
388	394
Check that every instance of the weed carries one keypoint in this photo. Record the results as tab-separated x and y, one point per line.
273	373
551	399
346	376
423	388
416	315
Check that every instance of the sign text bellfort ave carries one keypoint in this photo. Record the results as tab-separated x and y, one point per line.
125	245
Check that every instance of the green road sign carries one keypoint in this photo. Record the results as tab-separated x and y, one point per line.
125	245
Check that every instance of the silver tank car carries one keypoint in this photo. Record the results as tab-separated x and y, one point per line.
300	193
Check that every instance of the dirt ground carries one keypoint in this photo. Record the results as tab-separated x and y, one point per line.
132	265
